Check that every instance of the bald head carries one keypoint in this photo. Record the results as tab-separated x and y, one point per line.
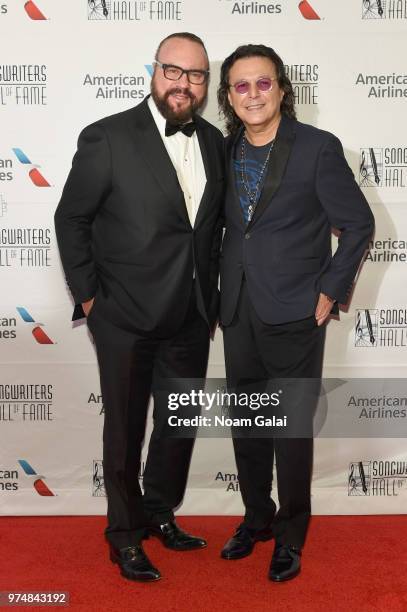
178	100
184	36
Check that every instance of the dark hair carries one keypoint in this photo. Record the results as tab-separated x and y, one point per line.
186	36
233	122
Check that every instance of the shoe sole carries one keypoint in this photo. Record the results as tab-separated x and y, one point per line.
237	557
185	549
139	579
277	579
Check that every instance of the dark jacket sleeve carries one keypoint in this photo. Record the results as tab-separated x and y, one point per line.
348	211
86	187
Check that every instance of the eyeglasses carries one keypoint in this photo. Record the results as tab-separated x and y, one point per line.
174	73
262	84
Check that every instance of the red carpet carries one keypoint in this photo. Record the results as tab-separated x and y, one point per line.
350	564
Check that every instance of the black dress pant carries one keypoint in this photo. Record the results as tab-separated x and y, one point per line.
129	366
258	351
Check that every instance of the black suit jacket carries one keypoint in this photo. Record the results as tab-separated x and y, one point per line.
123	229
285	251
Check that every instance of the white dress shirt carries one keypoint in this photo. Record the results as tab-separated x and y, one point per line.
186	157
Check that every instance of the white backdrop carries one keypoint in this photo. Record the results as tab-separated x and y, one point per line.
63	65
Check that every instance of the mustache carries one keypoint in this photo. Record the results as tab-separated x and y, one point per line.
180	90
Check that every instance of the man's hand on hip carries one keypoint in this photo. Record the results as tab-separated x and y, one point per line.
87	306
323	309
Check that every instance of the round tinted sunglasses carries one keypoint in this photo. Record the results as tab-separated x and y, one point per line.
262	84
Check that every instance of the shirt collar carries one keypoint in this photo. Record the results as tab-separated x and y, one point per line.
157	116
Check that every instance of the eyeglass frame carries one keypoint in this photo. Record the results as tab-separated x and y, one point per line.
205	73
248	82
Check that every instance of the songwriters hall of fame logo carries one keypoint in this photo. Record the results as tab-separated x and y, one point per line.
134	10
98	481
373	9
359	478
377	478
382	327
366	328
98	9
371	167
383	167
384	9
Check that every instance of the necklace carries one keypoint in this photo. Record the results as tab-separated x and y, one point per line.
252	194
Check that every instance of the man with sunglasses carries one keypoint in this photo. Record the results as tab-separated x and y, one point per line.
288	185
139	232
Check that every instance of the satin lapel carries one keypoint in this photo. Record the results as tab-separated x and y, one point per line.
209	162
278	161
149	143
231	186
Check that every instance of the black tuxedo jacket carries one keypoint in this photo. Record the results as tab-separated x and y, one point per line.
285	251
123	229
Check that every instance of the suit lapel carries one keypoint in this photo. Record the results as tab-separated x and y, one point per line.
232	191
209	162
151	148
278	161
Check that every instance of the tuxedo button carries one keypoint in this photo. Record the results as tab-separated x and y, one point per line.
247	236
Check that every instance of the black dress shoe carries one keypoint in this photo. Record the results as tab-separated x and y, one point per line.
242	543
134	563
175	538
285	563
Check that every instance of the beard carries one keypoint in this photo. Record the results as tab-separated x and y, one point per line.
174	114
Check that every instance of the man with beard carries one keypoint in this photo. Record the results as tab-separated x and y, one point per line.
139	230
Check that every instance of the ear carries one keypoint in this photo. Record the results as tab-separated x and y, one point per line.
230	99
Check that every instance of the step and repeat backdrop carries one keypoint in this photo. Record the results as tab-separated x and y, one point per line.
63	65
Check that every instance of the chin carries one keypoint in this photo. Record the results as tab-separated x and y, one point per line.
253	117
182	111
253	122
176	105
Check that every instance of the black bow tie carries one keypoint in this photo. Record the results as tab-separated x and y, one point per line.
187	128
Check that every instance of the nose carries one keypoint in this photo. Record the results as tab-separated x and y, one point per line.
253	90
183	81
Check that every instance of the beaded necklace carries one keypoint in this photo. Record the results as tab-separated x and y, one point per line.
253	195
